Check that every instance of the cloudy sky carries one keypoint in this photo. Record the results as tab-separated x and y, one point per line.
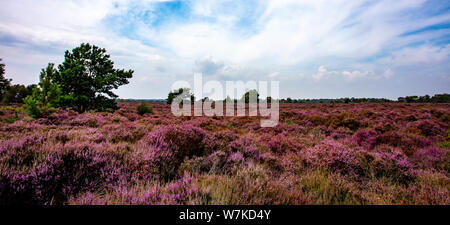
316	49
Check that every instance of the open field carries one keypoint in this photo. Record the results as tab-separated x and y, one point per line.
381	153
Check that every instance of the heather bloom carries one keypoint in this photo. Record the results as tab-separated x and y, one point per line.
366	138
317	154
426	127
333	155
246	147
431	157
181	191
172	144
126	132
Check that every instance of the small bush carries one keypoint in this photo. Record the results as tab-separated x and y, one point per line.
144	109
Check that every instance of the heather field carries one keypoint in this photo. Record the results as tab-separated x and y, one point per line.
367	153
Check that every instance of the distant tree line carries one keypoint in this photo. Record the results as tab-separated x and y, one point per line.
338	100
438	98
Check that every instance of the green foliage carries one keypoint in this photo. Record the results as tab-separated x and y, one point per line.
143	109
441	98
45	97
289	122
4	83
15	118
230	125
16	93
9	120
246	97
33	105
87	78
438	98
444	144
182	93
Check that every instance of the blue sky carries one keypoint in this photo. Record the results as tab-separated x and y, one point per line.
316	49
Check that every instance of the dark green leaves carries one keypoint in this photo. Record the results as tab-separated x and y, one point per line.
87	78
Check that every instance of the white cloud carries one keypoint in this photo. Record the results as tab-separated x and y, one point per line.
273	75
237	40
425	54
388	73
349	76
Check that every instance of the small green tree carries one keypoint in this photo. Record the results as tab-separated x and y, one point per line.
87	78
4	83
45	97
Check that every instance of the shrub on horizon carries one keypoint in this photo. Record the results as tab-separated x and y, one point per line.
143	109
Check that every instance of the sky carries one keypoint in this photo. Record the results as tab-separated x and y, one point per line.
315	49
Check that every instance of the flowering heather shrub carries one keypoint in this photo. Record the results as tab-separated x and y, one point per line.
21	126
144	163
183	141
281	143
61	136
126	132
172	144
87	120
393	165
245	187
236	158
425	127
20	151
224	138
366	138
61	173
432	157
98	138
206	123
408	143
340	133
247	149
60	116
383	127
333	155
215	163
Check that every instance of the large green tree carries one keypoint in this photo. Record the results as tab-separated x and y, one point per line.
4	83
87	78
